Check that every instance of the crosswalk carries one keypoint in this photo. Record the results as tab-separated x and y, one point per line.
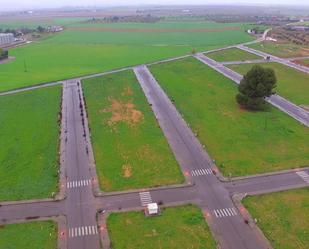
145	198
77	184
304	175
225	212
201	172
82	231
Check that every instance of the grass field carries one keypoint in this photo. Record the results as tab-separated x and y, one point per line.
29	144
241	142
129	147
232	54
177	227
34	235
284	50
85	49
292	84
286	221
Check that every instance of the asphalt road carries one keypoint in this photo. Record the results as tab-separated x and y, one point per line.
229	228
268	183
284	105
273	58
80	206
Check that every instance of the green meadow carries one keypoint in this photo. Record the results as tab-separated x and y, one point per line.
286	220
129	147
241	142
177	227
29	144
232	54
34	235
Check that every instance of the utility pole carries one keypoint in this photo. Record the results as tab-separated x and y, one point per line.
25	67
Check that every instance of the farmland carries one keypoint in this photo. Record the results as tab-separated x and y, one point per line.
130	149
177	227
29	144
232	54
35	235
85	48
292	84
267	141
286	222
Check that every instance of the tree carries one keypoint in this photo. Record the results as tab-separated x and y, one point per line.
255	86
40	29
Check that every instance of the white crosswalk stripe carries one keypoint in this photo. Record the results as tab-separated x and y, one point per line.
304	175
82	231
225	212
201	172
76	184
145	198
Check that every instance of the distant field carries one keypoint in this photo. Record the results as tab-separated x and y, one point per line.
29	144
34	235
81	49
177	227
281	50
241	142
292	84
130	149
232	54
283	217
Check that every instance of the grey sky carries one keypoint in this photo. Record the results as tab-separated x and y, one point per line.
22	4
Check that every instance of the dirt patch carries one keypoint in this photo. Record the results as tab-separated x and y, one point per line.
113	30
145	152
126	170
123	111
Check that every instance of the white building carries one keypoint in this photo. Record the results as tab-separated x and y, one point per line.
6	38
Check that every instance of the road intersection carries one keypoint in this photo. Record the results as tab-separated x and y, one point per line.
80	201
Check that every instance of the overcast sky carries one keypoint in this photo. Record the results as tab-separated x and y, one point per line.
22	4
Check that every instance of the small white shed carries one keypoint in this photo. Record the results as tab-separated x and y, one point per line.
152	208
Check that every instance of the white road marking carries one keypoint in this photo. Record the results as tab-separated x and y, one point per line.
76	184
145	198
82	231
304	175
225	212
201	172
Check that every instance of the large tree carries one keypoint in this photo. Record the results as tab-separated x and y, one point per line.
255	86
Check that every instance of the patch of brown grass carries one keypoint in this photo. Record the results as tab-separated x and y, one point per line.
127	170
123	111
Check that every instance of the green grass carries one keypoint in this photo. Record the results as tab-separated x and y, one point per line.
284	50
130	149
232	54
177	227
241	142
73	53
34	235
29	144
283	217
292	84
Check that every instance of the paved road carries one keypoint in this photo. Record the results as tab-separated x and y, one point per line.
80	202
284	105
29	88
270	182
273	58
225	221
